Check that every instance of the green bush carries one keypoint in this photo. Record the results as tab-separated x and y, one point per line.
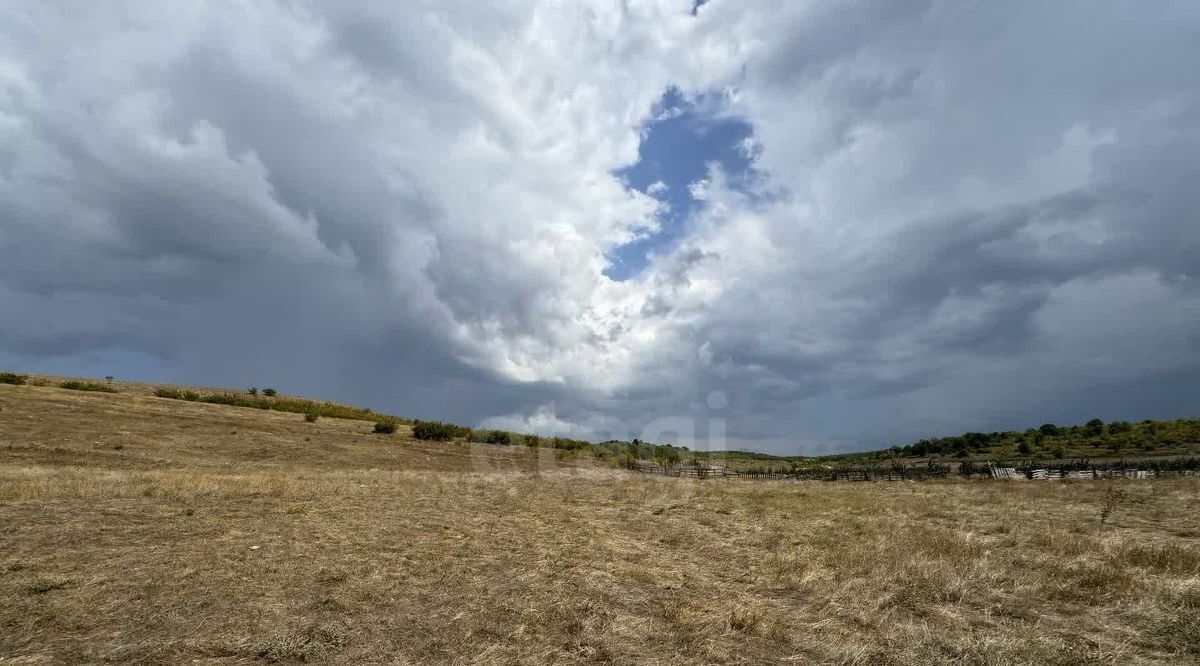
176	394
499	437
311	417
329	409
269	392
253	390
76	385
385	427
666	455
13	378
491	437
570	444
438	431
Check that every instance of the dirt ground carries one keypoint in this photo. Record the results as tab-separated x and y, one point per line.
139	529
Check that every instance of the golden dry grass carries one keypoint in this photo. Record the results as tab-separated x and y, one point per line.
136	529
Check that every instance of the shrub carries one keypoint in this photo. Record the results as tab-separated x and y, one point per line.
385	427
174	394
438	431
575	444
76	385
499	437
13	378
269	392
253	390
235	400
491	437
666	455
311	417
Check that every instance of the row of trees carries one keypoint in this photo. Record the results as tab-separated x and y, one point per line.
1048	437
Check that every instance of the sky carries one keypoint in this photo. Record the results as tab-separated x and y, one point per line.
788	226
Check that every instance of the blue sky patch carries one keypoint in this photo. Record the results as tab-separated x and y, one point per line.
683	137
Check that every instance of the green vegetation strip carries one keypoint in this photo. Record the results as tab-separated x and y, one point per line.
294	405
76	385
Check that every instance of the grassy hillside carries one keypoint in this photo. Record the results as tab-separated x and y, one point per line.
135	528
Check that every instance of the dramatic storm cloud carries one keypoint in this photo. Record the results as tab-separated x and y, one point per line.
817	225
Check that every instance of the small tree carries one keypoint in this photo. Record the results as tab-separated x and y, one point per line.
253	390
269	392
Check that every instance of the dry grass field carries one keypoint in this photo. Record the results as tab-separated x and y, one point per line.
139	529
